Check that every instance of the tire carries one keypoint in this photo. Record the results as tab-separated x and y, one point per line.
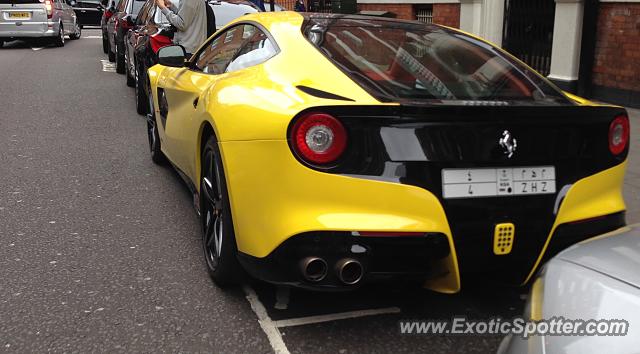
59	40
119	61
143	102
77	34
218	238
1	44
105	45
131	81
154	137
111	54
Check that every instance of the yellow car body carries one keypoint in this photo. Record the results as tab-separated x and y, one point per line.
274	197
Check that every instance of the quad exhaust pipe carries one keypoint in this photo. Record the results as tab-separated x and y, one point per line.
349	271
313	269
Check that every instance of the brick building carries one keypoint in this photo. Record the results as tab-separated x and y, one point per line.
591	47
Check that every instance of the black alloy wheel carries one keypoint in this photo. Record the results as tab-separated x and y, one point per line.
77	33
119	59
105	44
59	40
131	81
143	101
218	238
154	137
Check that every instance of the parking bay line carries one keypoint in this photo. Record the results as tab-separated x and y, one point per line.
108	66
265	322
301	321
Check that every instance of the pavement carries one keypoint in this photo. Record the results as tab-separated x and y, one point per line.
100	248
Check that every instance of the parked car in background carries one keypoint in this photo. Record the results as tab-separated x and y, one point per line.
88	12
118	25
152	29
110	8
139	52
50	20
596	279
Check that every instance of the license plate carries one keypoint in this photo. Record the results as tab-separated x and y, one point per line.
20	15
498	182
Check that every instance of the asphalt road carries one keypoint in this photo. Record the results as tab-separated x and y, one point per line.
100	248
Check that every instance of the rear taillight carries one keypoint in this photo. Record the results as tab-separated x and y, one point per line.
49	6
318	138
619	134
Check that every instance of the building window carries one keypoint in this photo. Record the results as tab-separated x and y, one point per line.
424	13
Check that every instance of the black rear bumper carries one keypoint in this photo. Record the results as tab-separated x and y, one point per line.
392	257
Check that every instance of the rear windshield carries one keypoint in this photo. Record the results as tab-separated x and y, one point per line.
411	61
20	1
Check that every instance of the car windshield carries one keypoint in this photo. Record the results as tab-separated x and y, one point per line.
396	60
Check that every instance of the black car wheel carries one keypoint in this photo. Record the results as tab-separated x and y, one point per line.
111	54
218	239
1	44
77	33
131	81
119	60
154	137
105	44
59	40
142	97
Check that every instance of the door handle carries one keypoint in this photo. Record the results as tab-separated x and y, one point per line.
195	102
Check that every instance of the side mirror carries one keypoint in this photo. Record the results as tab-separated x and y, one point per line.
172	55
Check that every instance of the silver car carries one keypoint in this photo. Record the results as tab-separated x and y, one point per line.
598	279
31	19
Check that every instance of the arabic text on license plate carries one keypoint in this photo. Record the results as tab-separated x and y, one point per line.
498	182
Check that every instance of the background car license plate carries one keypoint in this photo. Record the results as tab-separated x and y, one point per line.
497	182
20	15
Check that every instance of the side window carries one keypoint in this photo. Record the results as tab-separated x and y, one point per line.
257	49
221	50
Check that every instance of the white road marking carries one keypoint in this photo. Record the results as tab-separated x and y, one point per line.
36	48
108	66
267	325
92	37
334	317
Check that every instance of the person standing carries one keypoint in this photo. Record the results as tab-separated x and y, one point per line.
190	20
299	6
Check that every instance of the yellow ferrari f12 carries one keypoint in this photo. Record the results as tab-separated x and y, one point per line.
325	151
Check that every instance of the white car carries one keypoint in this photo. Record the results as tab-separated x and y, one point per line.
595	280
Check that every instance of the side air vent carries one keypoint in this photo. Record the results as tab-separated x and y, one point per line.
321	94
